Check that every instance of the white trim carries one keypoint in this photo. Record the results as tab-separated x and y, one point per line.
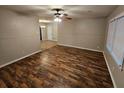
81	47
19	59
113	81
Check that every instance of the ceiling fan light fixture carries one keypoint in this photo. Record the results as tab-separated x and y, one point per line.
57	19
61	15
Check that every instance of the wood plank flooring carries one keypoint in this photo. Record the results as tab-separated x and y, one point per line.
46	44
57	67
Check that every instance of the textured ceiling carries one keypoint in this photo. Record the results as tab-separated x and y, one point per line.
74	11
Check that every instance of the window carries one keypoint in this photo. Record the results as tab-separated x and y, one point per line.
110	37
115	40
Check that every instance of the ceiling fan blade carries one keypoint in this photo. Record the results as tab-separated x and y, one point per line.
65	14
69	18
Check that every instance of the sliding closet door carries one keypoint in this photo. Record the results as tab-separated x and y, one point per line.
118	43
111	33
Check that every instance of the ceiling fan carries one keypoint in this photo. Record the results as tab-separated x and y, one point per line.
59	15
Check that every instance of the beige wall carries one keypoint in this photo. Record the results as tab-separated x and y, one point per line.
84	33
118	76
19	36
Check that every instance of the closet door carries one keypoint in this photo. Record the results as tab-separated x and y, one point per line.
111	33
118	43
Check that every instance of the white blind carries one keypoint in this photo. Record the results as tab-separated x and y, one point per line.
115	40
111	33
118	44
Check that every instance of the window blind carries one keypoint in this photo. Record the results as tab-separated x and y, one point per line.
115	40
110	37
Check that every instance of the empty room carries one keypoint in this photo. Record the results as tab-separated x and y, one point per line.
61	46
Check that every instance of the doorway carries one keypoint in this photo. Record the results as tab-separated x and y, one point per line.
40	33
48	36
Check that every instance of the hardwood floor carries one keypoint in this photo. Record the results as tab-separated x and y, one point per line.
46	44
58	66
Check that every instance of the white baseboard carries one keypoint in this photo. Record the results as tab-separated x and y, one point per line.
113	81
19	59
80	47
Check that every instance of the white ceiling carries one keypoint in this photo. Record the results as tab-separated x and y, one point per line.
74	11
